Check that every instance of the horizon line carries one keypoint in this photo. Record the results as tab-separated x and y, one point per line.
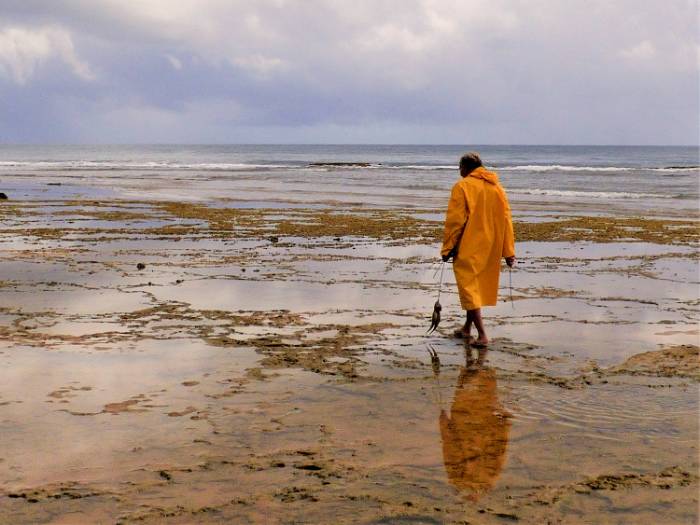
492	144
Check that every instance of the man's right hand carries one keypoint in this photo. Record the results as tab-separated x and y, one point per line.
510	261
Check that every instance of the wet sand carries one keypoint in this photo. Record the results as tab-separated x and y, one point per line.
270	365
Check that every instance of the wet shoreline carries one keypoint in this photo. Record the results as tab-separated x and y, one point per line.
260	363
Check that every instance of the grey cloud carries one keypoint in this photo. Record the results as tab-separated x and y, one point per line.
391	71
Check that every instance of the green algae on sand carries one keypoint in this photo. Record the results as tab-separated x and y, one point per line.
349	221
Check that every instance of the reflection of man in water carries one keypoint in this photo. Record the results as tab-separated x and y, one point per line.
475	435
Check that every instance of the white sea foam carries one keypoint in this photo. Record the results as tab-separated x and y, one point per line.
559	167
426	167
128	166
611	169
589	194
529	168
524	167
78	165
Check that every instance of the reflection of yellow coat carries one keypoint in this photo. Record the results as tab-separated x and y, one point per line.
475	435
478	202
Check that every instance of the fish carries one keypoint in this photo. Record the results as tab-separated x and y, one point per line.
435	319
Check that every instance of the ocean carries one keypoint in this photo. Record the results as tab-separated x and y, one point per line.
628	179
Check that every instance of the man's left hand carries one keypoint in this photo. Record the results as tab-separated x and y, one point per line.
451	254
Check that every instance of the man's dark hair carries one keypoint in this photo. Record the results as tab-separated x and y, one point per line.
469	162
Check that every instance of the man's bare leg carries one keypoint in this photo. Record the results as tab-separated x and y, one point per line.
467	330
481	340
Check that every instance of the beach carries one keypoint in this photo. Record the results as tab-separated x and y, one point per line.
238	335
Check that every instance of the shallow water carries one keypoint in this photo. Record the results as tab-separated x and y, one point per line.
237	378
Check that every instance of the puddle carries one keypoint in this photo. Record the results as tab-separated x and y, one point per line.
94	302
108	410
296	296
587	250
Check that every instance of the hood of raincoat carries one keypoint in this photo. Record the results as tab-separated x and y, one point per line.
482	173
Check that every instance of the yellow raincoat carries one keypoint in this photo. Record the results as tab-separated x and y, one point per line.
478	223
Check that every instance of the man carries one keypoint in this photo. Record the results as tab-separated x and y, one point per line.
478	232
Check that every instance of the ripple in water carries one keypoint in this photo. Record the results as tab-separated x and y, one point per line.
608	413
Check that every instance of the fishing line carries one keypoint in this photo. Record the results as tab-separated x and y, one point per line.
510	279
442	269
437	267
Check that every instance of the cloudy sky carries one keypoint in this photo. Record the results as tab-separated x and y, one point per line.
349	71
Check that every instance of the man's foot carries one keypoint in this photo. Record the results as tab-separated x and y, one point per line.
480	342
461	333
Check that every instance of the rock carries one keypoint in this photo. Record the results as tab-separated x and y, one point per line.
310	466
274	239
140	266
340	164
3	196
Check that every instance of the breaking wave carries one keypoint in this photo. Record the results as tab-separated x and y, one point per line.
79	165
590	194
559	167
76	165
